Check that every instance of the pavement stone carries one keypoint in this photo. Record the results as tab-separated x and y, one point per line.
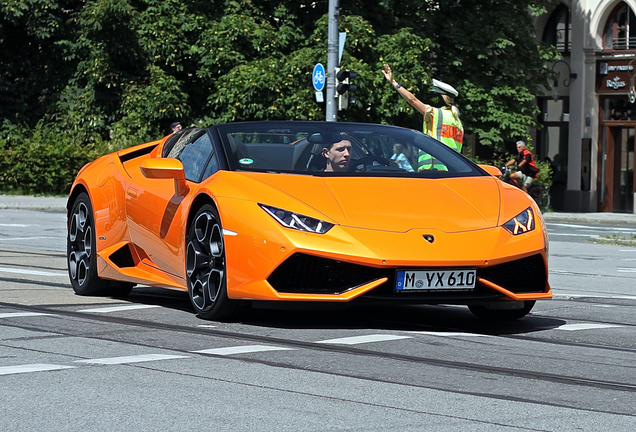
58	204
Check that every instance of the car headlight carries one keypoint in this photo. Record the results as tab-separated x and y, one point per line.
522	223
297	221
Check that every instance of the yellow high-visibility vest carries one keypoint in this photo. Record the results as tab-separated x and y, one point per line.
445	128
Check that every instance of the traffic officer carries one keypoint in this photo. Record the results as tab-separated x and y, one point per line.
442	124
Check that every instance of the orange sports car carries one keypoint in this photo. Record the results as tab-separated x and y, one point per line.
306	212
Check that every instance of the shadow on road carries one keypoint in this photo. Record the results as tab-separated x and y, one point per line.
402	317
287	315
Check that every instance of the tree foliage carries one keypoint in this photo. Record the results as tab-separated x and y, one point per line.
121	70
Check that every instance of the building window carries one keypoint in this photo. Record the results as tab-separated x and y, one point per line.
558	30
620	33
618	109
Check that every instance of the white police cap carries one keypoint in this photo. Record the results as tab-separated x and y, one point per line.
443	88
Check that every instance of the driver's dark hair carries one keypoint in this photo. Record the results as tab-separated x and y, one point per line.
341	136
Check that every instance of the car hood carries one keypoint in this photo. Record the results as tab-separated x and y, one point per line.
390	204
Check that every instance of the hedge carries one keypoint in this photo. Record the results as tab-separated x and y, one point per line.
44	163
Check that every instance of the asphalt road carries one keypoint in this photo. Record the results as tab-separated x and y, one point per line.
147	363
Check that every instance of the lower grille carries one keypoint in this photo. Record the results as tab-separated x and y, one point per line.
519	276
302	273
309	274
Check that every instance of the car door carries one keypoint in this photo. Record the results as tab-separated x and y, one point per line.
157	210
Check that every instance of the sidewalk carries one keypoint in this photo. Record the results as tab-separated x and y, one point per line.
21	202
593	218
58	204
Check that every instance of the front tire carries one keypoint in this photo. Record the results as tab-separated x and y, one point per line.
82	254
206	270
488	314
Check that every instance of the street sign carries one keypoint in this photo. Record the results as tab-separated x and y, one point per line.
319	77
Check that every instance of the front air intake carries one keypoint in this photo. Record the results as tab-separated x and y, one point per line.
519	276
308	274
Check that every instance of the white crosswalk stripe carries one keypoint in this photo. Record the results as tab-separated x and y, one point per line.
118	308
131	359
37	367
586	326
242	349
31	272
353	340
21	314
450	334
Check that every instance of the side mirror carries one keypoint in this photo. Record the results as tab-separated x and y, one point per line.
162	168
166	168
492	170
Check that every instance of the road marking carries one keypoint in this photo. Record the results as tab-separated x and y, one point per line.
363	339
626	270
627	250
571	296
17	225
241	349
25	238
31	272
590	326
131	359
118	308
8	370
449	334
21	314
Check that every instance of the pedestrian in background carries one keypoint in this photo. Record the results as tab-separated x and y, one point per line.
175	127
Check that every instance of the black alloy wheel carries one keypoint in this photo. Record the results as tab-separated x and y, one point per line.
205	268
81	254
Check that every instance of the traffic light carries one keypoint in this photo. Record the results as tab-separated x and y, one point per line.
344	88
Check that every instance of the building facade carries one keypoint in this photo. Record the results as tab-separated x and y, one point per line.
589	114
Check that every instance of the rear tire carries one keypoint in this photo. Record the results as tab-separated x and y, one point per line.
501	314
82	254
206	270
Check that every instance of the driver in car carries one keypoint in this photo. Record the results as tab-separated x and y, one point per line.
338	156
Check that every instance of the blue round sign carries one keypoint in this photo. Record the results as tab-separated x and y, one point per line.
319	77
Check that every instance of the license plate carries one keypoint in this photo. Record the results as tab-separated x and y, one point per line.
435	280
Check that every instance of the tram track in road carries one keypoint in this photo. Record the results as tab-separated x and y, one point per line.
324	347
158	300
32	252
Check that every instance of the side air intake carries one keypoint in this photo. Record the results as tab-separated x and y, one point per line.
122	258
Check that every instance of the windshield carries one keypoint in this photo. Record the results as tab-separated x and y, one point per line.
337	148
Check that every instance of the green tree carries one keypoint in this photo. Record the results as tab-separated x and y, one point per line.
33	69
122	70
